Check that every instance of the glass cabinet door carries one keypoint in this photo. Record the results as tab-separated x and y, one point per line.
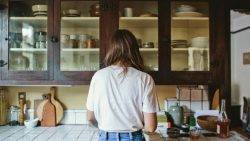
79	36
28	35
189	36
141	18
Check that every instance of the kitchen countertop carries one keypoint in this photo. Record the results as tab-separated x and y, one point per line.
80	133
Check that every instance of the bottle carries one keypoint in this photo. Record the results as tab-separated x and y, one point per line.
169	121
192	122
223	122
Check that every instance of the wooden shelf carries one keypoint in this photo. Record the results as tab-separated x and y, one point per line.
148	49
74	22
28	49
80	49
39	22
190	22
152	22
186	49
141	22
191	18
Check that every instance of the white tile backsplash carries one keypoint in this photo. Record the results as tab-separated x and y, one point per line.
81	117
70	116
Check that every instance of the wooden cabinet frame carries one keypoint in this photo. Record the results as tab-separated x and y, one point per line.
109	22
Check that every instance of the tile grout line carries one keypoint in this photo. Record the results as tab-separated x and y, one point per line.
79	135
40	134
67	133
24	135
11	127
53	134
12	134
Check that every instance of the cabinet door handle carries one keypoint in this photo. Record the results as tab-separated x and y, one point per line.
54	39
6	39
3	63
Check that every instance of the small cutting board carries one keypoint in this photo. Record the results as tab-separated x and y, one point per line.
49	113
216	100
59	108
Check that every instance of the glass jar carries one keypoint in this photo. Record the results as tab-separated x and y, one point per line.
20	62
91	42
73	41
65	41
83	40
13	115
176	113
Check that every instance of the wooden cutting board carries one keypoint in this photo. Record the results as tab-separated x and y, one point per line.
216	100
39	110
49	113
37	102
59	108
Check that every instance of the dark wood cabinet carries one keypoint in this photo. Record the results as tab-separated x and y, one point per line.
156	21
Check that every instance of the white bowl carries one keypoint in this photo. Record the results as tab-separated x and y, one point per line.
72	12
31	123
37	8
186	8
200	42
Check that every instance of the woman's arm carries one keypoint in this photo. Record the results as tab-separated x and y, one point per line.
91	118
150	121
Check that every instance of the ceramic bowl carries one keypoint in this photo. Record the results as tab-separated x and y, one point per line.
185	8
72	12
200	42
207	122
31	123
39	8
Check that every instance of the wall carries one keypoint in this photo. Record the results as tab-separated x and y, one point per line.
240	75
72	97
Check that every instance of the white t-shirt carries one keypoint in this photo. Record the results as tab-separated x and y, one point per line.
118	100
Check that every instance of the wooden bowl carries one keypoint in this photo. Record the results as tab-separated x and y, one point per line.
207	122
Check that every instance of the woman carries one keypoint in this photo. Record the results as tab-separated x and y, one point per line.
122	99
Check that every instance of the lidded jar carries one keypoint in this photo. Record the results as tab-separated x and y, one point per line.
65	41
73	41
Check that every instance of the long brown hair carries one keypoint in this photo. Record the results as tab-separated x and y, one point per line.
124	50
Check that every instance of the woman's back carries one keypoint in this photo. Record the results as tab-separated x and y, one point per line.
119	98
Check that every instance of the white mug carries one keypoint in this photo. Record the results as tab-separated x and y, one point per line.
128	12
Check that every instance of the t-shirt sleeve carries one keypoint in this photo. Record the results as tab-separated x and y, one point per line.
91	94
150	100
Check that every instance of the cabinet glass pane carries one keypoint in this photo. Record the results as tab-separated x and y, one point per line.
141	18
79	40
28	35
189	36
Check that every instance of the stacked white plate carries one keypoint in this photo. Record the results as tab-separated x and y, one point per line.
187	11
40	10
